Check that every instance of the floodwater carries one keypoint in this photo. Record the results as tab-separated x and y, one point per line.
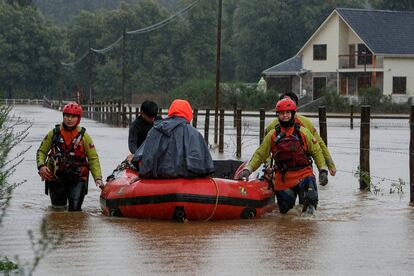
353	232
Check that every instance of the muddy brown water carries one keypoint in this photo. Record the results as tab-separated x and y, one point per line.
353	232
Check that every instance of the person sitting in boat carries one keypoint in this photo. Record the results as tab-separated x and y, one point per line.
142	125
291	147
174	148
305	122
64	159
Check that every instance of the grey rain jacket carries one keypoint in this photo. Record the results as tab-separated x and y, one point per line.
174	148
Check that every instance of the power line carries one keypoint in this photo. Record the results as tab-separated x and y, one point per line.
147	29
165	21
107	49
77	61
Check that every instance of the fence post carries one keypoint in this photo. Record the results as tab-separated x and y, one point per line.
92	110
364	171
352	117
101	112
412	156
206	125
262	124
136	112
322	124
118	113
195	115
130	115
221	131
124	114
235	117
111	112
238	135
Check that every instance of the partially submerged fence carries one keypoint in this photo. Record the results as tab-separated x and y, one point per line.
121	115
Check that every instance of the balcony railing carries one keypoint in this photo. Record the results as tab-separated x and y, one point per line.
356	61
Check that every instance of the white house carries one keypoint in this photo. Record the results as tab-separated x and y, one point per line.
352	49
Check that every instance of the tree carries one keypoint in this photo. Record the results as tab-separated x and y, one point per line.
402	5
21	3
30	51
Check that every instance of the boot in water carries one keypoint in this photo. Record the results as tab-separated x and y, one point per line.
308	210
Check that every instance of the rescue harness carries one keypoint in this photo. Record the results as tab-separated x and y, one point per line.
68	159
288	152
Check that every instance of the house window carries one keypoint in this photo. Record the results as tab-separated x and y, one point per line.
319	87
364	55
319	52
399	85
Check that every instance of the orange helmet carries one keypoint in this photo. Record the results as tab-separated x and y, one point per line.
74	109
285	105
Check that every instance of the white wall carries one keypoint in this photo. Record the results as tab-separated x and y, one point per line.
353	39
398	67
329	35
343	38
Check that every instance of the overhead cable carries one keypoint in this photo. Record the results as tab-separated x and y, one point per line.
107	49
165	21
135	32
77	61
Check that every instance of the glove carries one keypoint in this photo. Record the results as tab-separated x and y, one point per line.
323	177
99	183
244	175
45	173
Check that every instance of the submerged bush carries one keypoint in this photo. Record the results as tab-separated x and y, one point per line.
202	94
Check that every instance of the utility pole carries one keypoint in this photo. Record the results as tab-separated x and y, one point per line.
90	61
218	71
123	67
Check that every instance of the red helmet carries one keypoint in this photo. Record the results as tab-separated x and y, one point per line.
285	105
73	108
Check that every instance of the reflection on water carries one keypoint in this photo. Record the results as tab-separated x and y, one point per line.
353	232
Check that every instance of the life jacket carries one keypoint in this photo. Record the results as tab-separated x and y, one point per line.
288	152
68	159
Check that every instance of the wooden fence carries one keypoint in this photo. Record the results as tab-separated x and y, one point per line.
122	115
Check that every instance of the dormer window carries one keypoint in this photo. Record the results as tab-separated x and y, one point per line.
319	52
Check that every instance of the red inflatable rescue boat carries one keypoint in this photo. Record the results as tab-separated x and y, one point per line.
181	199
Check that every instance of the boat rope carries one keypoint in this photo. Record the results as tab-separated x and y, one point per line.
217	198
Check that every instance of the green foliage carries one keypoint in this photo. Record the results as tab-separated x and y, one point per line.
402	5
6	265
335	103
30	51
375	188
397	187
200	93
9	138
370	96
62	11
379	103
249	98
365	178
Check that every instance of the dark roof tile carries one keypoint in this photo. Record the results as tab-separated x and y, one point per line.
384	32
290	66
